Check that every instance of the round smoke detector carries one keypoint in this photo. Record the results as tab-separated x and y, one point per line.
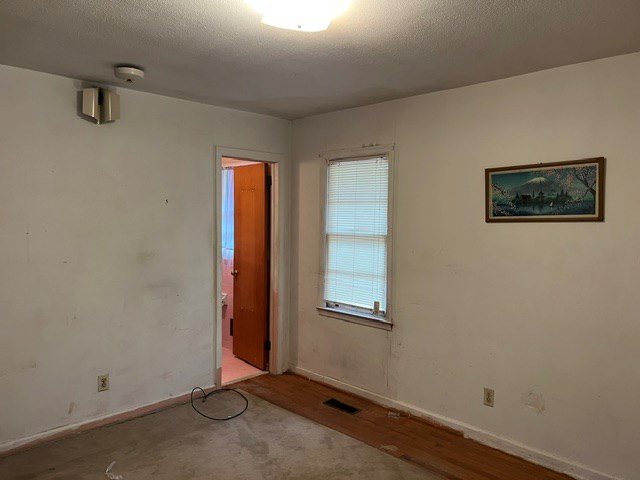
129	74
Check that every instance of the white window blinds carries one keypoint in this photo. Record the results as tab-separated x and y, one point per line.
356	234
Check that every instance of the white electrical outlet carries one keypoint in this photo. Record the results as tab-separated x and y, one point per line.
103	382
489	395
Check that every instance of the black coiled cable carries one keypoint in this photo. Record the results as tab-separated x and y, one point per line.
213	392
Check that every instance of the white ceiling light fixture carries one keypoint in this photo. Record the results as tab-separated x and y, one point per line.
300	15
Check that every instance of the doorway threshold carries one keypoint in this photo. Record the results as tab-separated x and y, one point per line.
242	379
236	370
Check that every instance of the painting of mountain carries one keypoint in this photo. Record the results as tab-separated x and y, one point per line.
561	191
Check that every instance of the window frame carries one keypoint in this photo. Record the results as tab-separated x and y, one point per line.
353	314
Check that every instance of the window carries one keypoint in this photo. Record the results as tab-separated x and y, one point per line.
227	214
357	237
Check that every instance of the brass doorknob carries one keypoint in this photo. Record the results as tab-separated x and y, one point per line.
234	273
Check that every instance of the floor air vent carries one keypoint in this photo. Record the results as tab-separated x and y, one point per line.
344	407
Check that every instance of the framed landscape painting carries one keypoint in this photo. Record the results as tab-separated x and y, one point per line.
546	192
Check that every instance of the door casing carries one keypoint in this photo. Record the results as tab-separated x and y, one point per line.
278	266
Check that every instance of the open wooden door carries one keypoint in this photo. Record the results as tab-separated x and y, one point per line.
251	264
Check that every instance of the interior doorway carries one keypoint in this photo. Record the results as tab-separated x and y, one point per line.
246	268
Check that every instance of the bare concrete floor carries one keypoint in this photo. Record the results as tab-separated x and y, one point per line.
266	442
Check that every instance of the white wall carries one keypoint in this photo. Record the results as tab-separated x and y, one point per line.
535	311
106	249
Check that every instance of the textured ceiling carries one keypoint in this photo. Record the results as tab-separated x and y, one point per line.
218	52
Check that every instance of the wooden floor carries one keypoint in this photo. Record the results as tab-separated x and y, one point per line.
437	449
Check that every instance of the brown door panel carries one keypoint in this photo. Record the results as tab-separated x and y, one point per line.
251	271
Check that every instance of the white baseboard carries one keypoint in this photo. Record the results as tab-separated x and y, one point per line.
31	441
507	445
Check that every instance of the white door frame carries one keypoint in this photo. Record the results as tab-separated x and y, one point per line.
278	276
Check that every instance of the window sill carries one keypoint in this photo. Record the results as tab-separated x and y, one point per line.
358	318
